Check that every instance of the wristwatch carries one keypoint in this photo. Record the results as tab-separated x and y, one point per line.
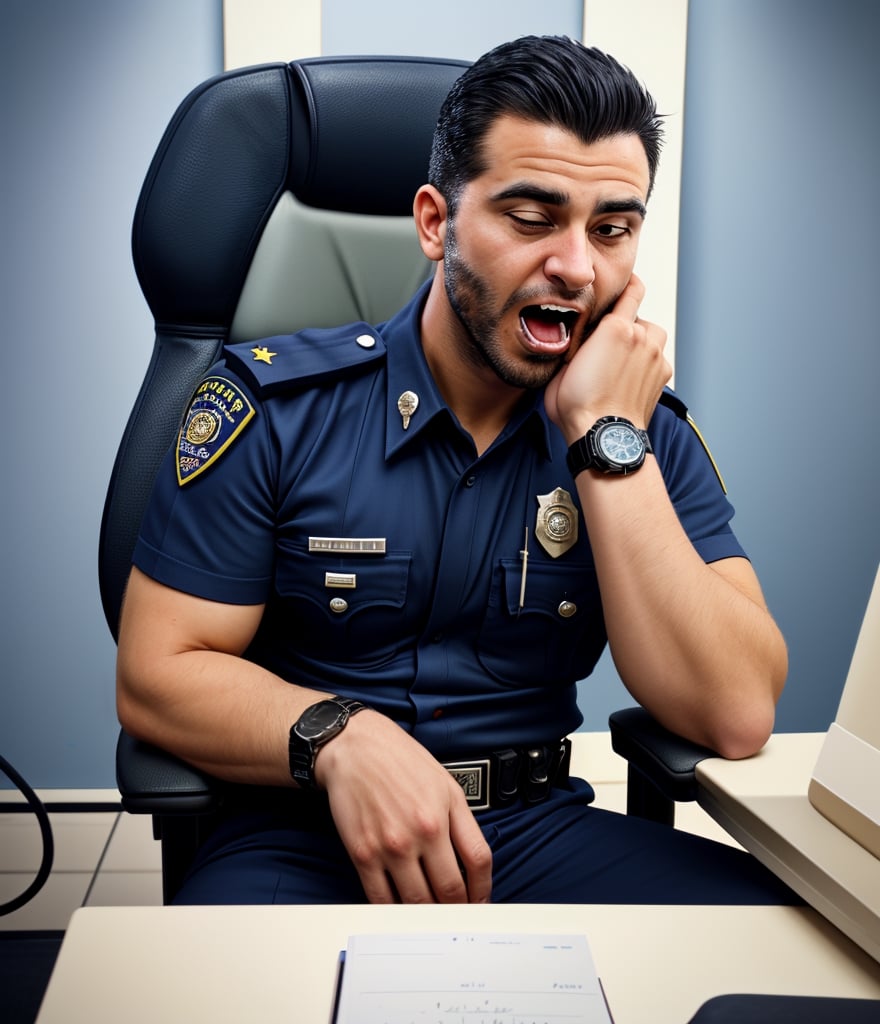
316	726
611	445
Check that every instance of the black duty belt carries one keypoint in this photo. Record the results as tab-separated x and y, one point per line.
503	776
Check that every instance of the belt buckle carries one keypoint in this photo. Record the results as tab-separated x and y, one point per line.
473	777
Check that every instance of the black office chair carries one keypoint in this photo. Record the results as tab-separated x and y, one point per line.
280	197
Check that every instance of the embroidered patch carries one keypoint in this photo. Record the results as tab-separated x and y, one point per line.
218	413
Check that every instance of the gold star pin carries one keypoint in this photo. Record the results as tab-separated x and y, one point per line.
263	355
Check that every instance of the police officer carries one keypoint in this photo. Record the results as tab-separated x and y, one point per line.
363	594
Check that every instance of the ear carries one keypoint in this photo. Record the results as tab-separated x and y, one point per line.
430	213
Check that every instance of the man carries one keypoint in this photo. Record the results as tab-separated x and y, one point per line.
438	538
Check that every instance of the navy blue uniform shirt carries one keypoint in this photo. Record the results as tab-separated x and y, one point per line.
387	554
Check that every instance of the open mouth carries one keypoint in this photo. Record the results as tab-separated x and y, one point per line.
547	327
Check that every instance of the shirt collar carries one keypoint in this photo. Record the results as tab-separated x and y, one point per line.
408	372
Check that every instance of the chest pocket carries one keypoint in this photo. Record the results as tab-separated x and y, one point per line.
361	624
557	635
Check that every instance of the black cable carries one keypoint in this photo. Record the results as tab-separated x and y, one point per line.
39	810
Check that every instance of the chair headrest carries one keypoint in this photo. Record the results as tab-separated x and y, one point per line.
351	134
370	122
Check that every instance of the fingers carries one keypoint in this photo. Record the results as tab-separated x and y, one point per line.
474	854
630	299
403	819
427	864
627	310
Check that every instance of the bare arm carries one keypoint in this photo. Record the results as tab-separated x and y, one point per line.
694	643
183	685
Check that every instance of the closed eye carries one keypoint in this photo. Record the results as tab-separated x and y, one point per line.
529	224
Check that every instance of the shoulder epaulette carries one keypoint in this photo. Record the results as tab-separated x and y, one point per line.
292	361
671	400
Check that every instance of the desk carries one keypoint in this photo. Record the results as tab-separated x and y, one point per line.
762	802
268	964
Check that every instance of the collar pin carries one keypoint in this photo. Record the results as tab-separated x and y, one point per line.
407	405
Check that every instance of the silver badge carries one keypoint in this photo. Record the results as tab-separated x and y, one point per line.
407	405
557	524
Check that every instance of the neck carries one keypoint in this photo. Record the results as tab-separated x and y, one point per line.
481	401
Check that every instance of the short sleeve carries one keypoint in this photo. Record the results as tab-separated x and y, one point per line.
213	535
694	484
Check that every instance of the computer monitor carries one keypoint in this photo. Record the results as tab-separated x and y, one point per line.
845	786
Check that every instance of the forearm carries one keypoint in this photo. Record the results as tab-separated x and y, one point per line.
221	713
183	685
694	643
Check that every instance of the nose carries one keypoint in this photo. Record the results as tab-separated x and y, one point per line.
569	264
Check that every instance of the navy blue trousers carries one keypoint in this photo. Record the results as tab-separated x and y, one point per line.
560	851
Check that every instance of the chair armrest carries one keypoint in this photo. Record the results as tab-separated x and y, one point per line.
660	764
152	781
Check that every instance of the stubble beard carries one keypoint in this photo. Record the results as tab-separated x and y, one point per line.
477	310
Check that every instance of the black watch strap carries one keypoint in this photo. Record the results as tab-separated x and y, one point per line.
586	452
351	705
302	751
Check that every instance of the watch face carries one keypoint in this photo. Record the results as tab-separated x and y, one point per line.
320	718
620	443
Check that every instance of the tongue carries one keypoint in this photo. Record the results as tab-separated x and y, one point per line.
548	332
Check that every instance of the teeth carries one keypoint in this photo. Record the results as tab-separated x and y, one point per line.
557	309
563	331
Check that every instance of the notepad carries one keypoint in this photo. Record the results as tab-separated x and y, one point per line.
472	977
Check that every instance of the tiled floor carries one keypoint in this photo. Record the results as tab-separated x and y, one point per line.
101	858
109	858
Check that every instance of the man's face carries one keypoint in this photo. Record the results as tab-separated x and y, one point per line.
541	245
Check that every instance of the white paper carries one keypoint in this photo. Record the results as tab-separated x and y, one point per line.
470	978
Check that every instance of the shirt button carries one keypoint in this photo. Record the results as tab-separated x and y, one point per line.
338	605
437	713
471	480
436	638
566	609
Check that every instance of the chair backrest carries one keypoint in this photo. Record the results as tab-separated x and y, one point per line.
280	197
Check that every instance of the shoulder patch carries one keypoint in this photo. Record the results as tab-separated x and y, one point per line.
217	414
285	362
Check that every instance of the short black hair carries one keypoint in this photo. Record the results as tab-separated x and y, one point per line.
549	79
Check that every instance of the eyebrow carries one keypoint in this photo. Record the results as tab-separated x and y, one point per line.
556	197
632	205
528	190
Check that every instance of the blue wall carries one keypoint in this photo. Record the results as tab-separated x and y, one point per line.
456	28
778	343
88	87
776	272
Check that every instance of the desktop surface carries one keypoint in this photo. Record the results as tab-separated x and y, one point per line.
763	803
657	963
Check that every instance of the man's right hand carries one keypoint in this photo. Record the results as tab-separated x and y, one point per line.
183	685
402	817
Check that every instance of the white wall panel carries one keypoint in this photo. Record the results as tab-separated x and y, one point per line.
260	31
650	38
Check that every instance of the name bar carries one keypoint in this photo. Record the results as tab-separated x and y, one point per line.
349	545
